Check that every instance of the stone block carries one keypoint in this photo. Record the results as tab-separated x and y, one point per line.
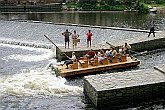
143	85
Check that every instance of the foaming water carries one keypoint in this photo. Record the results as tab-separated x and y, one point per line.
32	80
27	44
28	58
46	54
23	47
36	82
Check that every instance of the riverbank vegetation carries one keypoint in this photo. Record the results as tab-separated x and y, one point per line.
114	5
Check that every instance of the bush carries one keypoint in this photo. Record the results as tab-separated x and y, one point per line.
143	8
160	1
109	6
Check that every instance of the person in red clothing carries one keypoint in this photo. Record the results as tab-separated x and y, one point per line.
91	55
89	36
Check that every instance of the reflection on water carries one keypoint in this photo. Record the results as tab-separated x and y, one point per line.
112	19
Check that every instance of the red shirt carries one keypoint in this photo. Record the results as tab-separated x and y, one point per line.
89	35
91	54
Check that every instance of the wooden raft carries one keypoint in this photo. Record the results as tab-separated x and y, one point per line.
85	67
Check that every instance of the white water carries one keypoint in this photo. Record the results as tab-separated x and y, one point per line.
36	82
39	81
46	54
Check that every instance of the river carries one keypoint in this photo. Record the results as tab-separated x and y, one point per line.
27	82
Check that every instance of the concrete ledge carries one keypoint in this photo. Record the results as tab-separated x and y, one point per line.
139	44
124	88
149	44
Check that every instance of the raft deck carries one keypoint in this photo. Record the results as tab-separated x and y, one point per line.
101	67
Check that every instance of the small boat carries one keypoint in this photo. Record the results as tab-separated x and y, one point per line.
85	67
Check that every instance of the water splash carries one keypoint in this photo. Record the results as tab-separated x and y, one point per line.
36	82
26	44
28	58
44	54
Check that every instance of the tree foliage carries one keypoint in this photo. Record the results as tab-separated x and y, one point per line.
139	5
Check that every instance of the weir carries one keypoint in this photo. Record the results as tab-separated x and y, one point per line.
26	44
116	36
139	44
87	26
125	88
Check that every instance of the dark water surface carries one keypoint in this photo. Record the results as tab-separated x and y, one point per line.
112	19
27	82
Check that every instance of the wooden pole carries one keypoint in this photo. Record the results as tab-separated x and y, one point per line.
55	45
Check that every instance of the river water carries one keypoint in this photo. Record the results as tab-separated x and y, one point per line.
27	82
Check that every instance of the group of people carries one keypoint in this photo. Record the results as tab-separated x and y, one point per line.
89	35
111	53
101	54
75	36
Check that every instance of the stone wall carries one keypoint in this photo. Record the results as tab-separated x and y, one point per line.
129	96
140	44
139	47
61	55
149	45
124	89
